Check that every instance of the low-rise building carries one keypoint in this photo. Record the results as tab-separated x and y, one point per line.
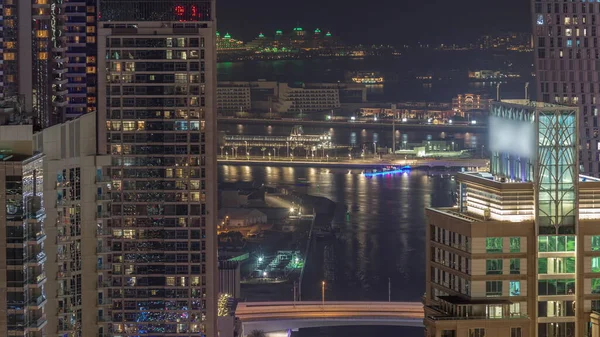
241	217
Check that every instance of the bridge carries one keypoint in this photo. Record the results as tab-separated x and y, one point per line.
282	316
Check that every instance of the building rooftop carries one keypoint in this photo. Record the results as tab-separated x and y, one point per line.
238	213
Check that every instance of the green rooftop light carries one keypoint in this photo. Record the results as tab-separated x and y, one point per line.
317	31
261	35
278	32
227	36
298	29
218	34
328	34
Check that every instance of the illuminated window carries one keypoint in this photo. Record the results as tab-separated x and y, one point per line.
7	11
169	173
9	56
515	266
9	45
42	33
514	288
91	39
556	243
596	264
515	245
493	245
128	126
493	267
171	281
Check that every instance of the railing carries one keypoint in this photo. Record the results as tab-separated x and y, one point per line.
103	197
39	257
103	215
103	179
103	232
37	279
37	323
460	318
37	301
103	249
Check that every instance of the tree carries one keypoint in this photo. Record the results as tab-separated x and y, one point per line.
257	333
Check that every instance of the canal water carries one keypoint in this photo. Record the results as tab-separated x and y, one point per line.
381	237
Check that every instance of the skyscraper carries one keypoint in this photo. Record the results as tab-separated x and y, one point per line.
157	80
567	69
518	256
33	65
80	19
22	255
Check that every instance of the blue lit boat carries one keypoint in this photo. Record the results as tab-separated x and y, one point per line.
387	170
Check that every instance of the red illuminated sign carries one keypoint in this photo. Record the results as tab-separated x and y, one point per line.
189	12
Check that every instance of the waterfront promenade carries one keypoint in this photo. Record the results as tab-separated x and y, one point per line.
364	124
358	163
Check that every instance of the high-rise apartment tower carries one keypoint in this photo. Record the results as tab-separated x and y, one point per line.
157	80
565	36
519	255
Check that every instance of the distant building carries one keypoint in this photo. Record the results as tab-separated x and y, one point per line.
241	217
468	104
567	67
226	44
295	40
229	278
270	96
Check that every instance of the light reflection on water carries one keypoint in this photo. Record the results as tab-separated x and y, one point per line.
382	237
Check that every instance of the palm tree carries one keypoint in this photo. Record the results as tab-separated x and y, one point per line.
256	333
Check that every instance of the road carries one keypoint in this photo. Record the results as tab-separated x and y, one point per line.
358	124
260	311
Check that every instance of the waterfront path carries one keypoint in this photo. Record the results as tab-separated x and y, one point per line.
357	124
359	163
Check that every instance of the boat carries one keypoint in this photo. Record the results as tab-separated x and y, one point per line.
366	77
386	170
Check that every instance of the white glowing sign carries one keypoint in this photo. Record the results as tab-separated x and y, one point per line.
512	137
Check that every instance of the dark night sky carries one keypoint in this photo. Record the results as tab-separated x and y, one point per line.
376	21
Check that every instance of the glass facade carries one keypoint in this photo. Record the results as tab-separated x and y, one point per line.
156	10
156	100
24	251
557	171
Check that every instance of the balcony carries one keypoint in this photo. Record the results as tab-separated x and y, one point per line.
103	179
61	275
103	232
103	250
63	239
37	303
37	324
37	238
37	281
104	284
103	215
458	308
36	213
103	197
104	267
36	259
64	257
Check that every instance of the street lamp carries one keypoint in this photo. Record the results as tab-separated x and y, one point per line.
323	292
